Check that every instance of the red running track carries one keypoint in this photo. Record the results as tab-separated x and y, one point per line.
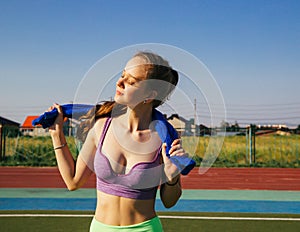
214	178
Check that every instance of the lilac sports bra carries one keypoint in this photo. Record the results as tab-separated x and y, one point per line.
140	183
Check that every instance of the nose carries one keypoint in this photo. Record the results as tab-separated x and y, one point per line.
120	82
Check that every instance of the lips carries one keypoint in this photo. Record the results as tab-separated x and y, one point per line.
118	92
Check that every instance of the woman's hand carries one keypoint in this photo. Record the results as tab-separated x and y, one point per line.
171	170
57	128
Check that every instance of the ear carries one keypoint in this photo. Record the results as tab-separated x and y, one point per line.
151	97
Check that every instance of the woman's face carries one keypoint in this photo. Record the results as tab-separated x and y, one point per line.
131	86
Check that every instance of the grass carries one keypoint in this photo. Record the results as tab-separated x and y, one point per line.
270	150
33	151
80	224
209	225
229	151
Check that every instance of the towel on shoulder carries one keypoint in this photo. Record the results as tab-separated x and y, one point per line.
165	130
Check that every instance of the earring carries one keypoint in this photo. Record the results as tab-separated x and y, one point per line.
145	101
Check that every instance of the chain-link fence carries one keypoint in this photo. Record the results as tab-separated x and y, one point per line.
250	147
17	149
245	148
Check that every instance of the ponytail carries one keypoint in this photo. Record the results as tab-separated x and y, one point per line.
102	110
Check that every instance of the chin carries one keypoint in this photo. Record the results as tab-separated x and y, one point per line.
118	100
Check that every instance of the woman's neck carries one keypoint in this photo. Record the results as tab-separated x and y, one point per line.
138	118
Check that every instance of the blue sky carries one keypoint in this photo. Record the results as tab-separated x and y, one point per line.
251	48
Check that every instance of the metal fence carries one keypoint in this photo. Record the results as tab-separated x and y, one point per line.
247	147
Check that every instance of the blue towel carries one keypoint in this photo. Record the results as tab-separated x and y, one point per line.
164	129
168	134
69	110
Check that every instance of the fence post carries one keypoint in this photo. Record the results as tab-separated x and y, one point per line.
1	141
250	140
254	145
250	144
4	133
247	147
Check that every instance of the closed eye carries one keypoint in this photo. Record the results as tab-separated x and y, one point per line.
131	81
128	78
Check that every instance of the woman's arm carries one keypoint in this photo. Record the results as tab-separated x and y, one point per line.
170	190
73	173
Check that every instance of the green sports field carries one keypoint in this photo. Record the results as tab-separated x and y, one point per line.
78	221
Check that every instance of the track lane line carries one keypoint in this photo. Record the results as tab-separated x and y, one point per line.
163	217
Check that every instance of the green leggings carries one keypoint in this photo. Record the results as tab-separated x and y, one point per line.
152	225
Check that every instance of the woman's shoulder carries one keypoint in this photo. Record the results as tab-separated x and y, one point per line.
100	122
99	126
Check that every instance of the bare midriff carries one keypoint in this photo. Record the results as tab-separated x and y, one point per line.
120	211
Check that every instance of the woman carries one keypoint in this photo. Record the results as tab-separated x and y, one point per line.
129	158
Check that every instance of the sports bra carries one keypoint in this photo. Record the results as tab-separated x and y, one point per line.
141	182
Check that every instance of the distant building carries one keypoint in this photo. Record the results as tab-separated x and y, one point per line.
28	129
69	128
7	128
202	130
180	124
273	126
7	122
186	127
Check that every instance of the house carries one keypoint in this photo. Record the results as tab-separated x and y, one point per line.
28	129
70	126
7	128
180	124
8	123
186	127
202	130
